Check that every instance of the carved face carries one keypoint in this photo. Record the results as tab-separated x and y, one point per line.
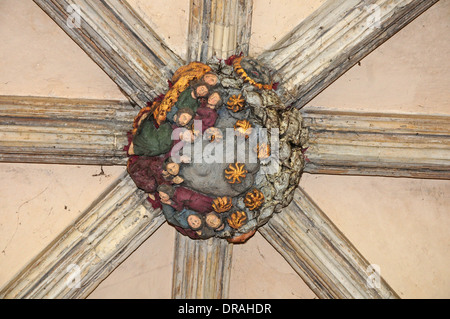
201	90
163	196
173	168
210	79
213	99
213	221
194	222
183	119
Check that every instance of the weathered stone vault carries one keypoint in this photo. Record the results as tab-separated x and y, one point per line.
116	38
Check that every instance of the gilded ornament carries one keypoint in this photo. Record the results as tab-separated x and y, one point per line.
222	204
237	219
235	172
253	200
236	103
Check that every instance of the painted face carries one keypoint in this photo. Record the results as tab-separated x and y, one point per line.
210	79
214	99
213	221
173	168
194	221
202	90
163	196
183	119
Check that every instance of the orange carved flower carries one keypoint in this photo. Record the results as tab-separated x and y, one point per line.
222	204
236	103
254	199
237	219
235	173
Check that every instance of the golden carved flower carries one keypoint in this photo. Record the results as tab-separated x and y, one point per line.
254	199
235	173
237	219
236	103
222	204
243	128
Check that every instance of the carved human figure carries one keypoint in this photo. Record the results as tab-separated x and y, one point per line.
214	221
177	218
194	221
210	78
149	172
186	221
182	197
189	99
207	113
151	139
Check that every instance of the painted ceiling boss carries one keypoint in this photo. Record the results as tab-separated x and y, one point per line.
209	154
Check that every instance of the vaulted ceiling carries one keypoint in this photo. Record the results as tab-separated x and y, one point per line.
398	223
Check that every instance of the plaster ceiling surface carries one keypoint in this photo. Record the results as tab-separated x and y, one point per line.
38	202
400	224
37	58
407	74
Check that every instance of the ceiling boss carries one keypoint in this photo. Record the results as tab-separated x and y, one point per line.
219	153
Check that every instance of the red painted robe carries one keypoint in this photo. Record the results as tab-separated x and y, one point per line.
146	172
187	198
208	117
156	203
